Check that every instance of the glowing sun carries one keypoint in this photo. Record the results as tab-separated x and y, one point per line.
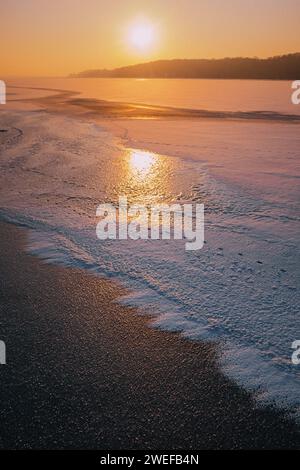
142	36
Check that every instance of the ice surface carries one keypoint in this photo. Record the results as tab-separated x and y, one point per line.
241	289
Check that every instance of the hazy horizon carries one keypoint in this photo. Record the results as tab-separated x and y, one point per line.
60	38
77	73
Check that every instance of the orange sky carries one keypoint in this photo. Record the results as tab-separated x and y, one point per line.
58	37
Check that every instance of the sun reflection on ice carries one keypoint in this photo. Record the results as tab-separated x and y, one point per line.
145	176
142	162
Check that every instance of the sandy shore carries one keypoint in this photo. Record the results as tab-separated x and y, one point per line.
85	372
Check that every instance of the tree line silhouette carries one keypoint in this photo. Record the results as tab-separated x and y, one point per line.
283	67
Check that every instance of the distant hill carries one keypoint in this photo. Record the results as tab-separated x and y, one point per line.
284	67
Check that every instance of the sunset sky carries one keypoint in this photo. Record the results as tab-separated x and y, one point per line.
58	37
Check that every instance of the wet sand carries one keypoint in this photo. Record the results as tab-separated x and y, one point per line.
85	372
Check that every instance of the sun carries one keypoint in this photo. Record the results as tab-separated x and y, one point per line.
141	36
